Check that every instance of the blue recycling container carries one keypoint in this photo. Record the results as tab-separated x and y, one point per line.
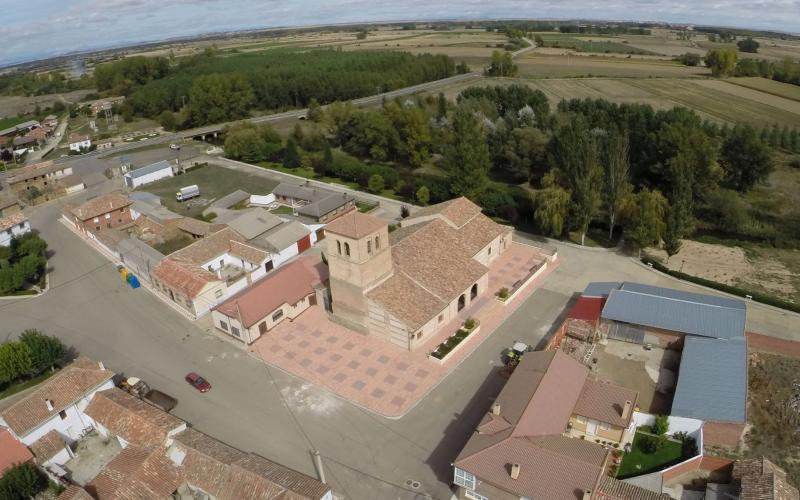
133	281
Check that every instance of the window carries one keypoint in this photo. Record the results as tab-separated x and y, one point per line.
339	247
489	252
464	478
581	420
262	327
474	292
369	246
235	331
96	220
218	293
278	315
604	426
269	266
347	249
474	496
377	242
223	325
441	318
419	334
108	216
63	414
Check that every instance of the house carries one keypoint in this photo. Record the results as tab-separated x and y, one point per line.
79	142
40	134
12	227
20	127
58	404
205	273
99	214
47	179
105	144
149	205
282	239
284	294
130	420
100	105
148	174
51	451
50	121
760	479
404	286
12	452
710	333
319	205
73	492
529	445
9	205
24	144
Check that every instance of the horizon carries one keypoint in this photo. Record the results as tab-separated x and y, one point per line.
86	26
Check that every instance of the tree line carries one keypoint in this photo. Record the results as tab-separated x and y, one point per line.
22	262
210	87
31	83
31	355
726	62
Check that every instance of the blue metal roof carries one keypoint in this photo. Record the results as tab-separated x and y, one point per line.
712	384
600	288
149	169
689	313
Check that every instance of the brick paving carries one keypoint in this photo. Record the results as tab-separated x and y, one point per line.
376	375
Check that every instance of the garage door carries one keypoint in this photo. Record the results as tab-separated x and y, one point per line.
304	244
626	333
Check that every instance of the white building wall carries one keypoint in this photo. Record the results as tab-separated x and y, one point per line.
262	201
284	255
134	182
77	146
59	458
14	232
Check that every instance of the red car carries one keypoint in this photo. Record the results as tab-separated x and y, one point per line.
198	382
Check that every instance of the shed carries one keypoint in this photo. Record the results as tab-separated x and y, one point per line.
148	174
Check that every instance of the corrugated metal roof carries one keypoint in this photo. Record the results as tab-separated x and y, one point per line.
700	298
149	169
600	288
676	311
712	384
325	205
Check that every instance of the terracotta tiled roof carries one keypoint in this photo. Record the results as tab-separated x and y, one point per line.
101	205
763	480
230	474
12	452
48	446
535	407
132	419
11	221
287	285
208	248
73	138
62	389
604	402
612	489
406	300
247	252
189	279
34	170
197	227
74	493
136	473
355	225
457	211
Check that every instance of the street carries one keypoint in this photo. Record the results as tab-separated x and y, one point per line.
259	408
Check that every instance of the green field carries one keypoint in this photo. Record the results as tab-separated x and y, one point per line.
591	46
10	122
214	182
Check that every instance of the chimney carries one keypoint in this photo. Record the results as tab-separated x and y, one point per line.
496	408
587	494
515	471
101	365
49	404
626	410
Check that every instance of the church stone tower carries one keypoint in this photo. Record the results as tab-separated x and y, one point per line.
359	257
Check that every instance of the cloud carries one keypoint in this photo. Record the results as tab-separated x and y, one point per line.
40	29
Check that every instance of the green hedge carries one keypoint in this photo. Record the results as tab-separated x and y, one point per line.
733	290
450	344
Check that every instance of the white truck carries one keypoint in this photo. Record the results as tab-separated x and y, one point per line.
187	192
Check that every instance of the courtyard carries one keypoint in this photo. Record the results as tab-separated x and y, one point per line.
381	377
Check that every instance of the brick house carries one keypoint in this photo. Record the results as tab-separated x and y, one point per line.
99	214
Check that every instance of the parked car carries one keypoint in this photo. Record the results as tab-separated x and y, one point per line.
176	147
198	382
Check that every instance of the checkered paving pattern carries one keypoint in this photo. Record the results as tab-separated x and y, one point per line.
378	376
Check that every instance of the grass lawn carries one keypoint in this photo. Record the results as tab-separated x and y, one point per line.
365	207
282	210
214	182
21	386
10	122
637	462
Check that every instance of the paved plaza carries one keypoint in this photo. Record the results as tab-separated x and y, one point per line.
376	375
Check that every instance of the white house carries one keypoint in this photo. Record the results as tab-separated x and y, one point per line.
78	142
58	404
150	173
12	227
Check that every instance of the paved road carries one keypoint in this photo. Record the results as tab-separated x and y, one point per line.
261	409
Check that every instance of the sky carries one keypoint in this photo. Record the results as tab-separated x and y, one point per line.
35	29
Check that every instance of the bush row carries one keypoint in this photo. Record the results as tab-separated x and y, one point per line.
450	344
734	290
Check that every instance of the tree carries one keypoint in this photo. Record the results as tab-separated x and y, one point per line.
297	134
551	207
690	59
523	154
721	61
502	65
15	361
423	195
219	98
22	481
167	120
661	425
362	35
574	153
748	45
745	160
314	111
375	183
441	106
644	219
28	244
617	179
327	159
45	350
672	234
291	157
466	157
244	143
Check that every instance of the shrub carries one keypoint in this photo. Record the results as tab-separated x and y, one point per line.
404	212
376	183
649	444
21	482
469	324
15	361
661	425
503	293
45	350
